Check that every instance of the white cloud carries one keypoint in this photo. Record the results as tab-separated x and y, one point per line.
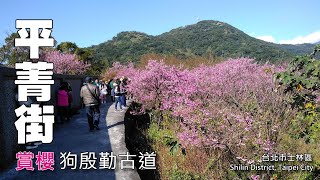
267	38
310	38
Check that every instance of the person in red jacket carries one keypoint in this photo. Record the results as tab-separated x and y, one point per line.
63	102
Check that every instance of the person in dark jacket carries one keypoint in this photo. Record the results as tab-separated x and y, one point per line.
117	94
90	97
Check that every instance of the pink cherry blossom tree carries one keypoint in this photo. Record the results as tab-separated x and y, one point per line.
65	63
232	106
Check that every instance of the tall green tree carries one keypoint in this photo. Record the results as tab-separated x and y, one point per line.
9	54
85	54
67	47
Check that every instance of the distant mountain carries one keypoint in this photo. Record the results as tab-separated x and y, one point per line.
205	38
298	49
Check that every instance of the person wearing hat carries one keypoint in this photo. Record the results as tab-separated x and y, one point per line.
89	94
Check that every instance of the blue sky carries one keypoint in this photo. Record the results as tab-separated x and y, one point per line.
91	22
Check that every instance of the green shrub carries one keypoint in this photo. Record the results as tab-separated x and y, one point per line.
302	81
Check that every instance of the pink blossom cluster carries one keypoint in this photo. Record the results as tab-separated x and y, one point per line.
220	106
64	63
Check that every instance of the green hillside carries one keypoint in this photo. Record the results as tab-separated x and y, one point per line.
205	38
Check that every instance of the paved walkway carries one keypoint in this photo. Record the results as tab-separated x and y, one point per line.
74	137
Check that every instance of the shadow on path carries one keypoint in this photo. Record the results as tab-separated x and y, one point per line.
74	137
137	141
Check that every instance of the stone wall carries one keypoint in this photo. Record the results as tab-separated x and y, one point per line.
8	132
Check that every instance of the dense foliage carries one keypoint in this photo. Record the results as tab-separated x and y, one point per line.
302	81
206	38
10	54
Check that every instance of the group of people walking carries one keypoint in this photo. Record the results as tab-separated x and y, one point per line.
92	93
